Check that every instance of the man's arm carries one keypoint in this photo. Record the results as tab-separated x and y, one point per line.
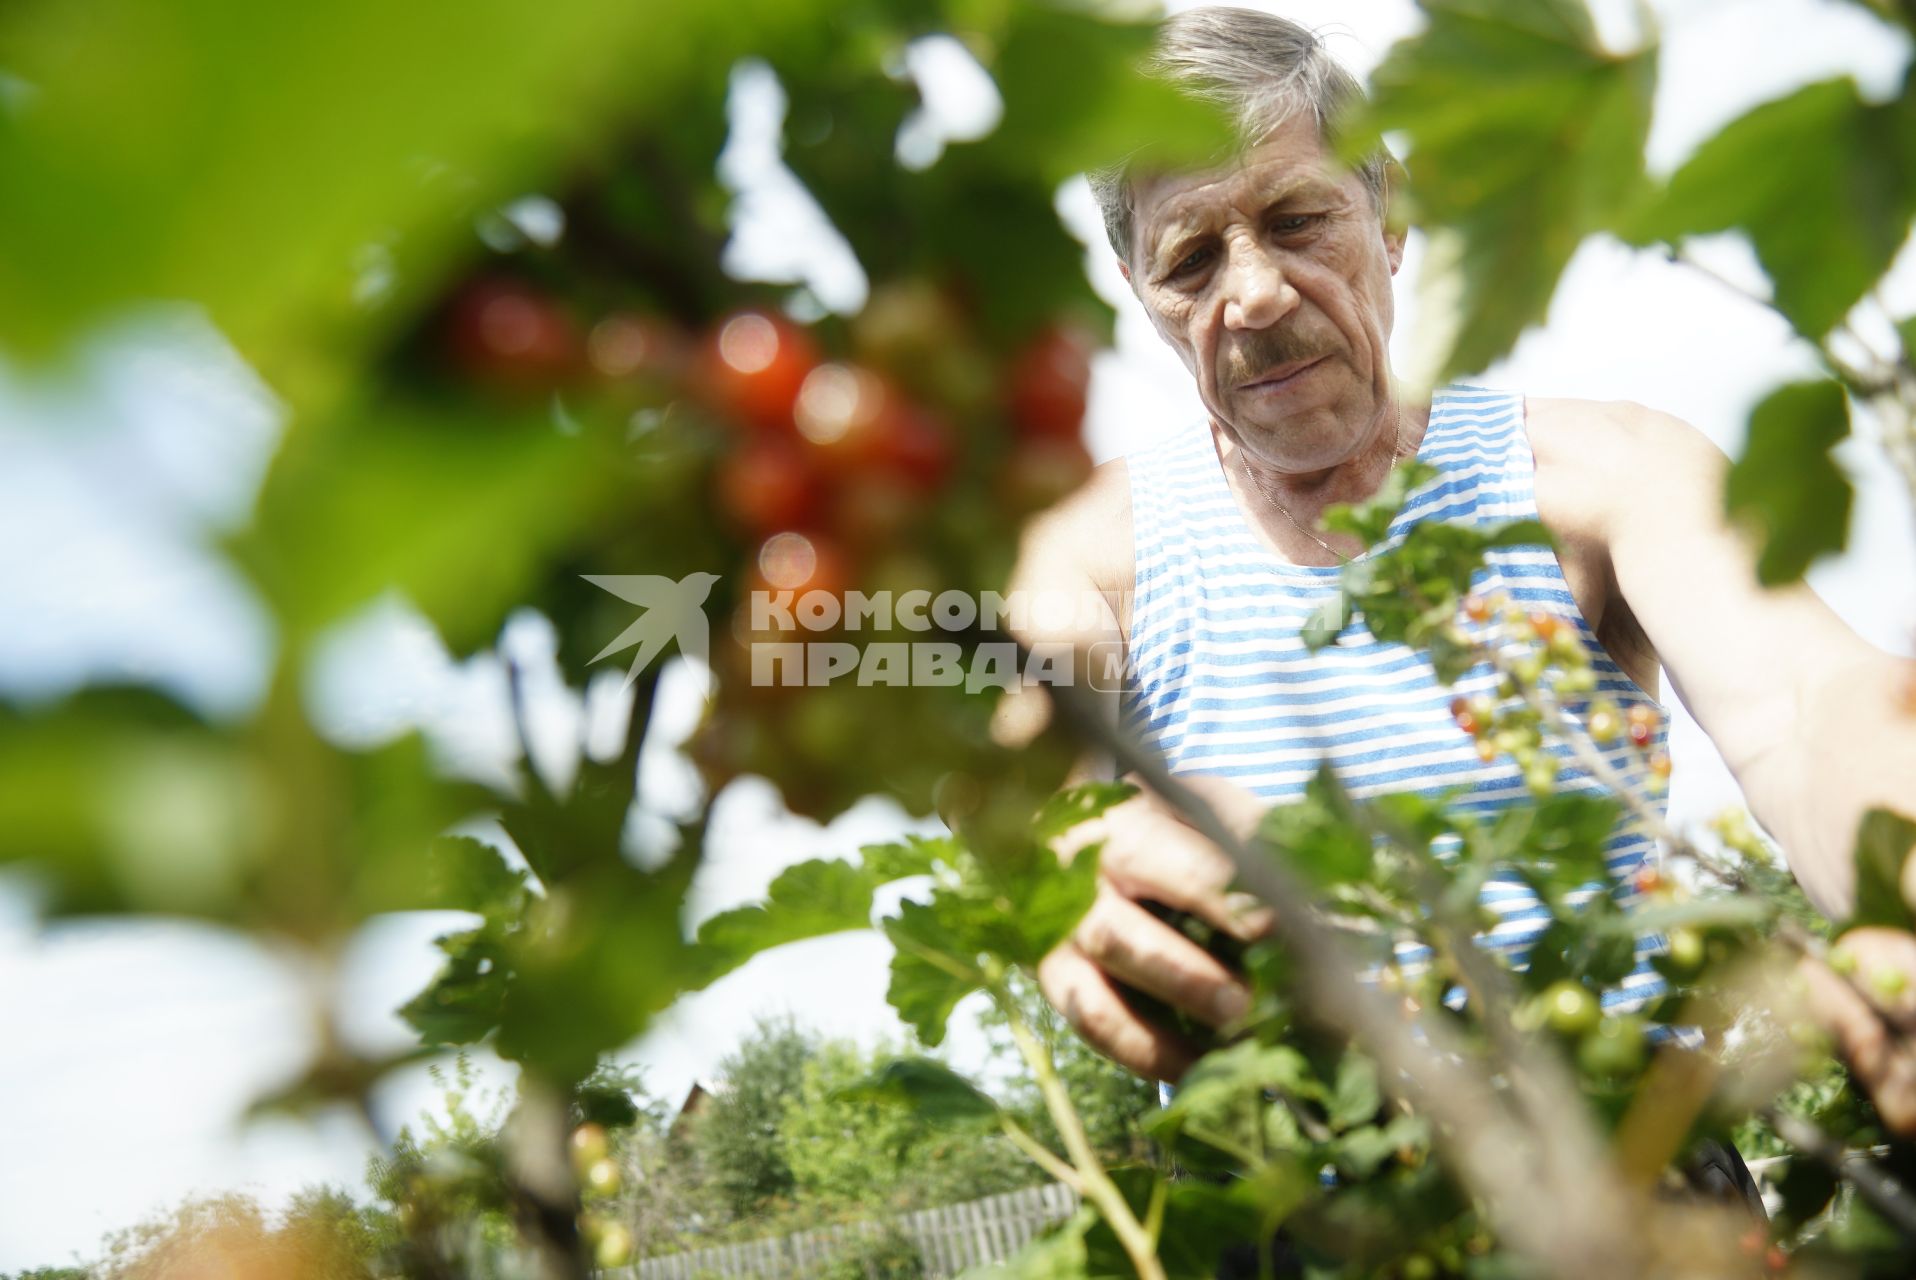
1805	712
1080	551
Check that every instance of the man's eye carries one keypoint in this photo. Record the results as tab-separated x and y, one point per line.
1293	223
1191	262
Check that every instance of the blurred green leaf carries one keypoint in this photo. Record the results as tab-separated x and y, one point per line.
1355	1095
1319	835
1074	100
1786	485
600	957
1525	135
1883	843
932	1091
246	156
471	875
126	802
1073	805
458	507
465	1000
1823	183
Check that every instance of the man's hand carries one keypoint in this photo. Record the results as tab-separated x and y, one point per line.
1150	854
1871	1010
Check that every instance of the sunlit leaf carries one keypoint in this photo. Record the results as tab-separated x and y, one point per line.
1883	843
1823	183
1525	135
1786	485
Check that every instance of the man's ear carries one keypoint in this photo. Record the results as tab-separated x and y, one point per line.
1394	247
1124	269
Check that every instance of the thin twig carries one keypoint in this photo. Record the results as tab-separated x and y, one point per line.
1881	1191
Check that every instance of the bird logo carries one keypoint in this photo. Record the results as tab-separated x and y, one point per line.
674	608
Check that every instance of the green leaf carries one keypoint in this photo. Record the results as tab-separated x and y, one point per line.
1319	834
1044	900
932	1090
182	152
1360	1152
1326	622
1074	805
1519	533
808	900
471	875
1883	843
1786	486
932	969
601	955
1225	1078
902	859
1558	844
1371	520
1355	1096
1827	223
1525	135
1074	101
1201	1220
456	507
465	1001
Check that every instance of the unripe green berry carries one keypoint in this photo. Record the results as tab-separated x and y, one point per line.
1615	1047
1569	1008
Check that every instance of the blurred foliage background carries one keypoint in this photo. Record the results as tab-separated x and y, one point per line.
478	254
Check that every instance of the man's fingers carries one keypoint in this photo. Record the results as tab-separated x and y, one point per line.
1085	996
1137	948
1882	963
1150	854
1880	1053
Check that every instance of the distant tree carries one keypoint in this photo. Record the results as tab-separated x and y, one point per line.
322	1235
874	1157
739	1142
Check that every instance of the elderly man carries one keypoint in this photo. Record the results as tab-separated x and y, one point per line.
1271	278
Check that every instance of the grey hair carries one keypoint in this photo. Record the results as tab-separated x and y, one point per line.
1261	69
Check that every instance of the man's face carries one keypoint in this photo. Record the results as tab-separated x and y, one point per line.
1273	282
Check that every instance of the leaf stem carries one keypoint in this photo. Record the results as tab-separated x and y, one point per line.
1140	1245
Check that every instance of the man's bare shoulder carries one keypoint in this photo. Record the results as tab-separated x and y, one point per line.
1086	534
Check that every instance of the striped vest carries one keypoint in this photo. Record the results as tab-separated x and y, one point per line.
1217	675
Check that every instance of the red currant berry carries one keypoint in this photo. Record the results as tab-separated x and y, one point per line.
1048	384
755	364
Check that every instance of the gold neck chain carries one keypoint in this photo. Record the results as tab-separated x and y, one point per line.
1399	455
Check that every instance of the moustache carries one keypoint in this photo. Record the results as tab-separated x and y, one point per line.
1264	350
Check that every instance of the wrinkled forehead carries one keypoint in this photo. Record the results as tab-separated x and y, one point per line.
1289	162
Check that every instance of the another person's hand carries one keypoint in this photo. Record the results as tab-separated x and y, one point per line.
1871	1010
1150	854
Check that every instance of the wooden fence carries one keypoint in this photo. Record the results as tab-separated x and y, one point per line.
949	1239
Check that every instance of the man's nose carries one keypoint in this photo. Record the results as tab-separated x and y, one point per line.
1256	294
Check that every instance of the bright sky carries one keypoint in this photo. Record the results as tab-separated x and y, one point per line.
131	1048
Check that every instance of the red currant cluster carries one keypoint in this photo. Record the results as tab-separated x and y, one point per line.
827	463
1538	649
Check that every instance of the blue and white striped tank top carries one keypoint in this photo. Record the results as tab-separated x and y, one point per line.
1218	677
